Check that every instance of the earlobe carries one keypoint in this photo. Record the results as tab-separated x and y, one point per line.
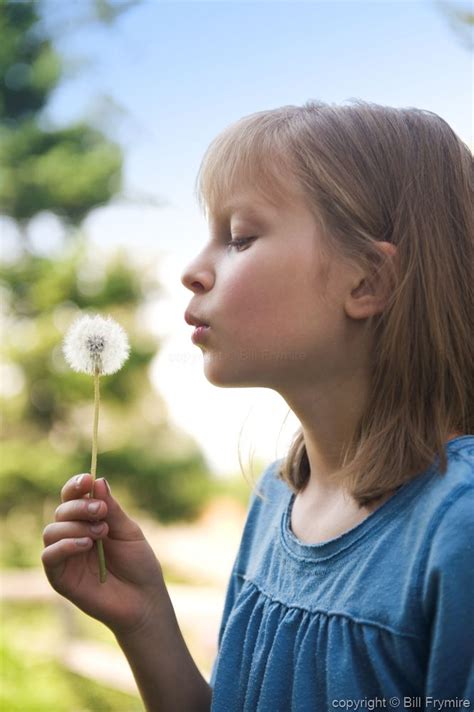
371	293
364	301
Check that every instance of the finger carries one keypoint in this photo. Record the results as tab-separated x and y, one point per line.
54	557
69	530
77	486
81	509
120	524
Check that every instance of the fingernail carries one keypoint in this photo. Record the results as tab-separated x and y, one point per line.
83	541
78	480
96	528
93	508
109	491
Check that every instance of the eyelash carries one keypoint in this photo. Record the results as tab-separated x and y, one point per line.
240	241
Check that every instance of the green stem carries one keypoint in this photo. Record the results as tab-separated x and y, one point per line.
100	545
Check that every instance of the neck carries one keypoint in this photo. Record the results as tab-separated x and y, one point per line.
328	419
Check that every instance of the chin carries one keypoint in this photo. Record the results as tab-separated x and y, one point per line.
226	372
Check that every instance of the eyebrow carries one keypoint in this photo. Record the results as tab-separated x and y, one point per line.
230	209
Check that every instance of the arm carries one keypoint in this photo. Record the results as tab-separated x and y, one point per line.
164	670
449	603
134	602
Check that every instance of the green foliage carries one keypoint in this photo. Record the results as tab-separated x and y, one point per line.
33	681
29	66
67	171
47	433
44	297
30	472
47	408
50	689
171	488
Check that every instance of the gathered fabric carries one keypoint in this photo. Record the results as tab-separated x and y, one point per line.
385	610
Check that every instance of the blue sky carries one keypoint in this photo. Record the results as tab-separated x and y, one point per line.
181	72
184	70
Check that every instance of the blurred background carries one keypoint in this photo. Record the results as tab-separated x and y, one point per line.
106	109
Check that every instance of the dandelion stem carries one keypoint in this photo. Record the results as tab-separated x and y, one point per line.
100	546
95	427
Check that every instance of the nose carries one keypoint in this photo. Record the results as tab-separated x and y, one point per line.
197	278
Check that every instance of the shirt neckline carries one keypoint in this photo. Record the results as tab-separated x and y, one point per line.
332	547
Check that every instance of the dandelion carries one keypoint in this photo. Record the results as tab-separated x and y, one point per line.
99	347
95	342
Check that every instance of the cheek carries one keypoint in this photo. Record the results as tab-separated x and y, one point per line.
253	296
251	302
268	304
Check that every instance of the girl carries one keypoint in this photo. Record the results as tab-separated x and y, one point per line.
338	273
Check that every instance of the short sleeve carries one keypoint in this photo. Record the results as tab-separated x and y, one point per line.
448	600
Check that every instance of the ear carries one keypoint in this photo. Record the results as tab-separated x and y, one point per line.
371	290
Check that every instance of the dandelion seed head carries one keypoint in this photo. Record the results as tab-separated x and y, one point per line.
96	342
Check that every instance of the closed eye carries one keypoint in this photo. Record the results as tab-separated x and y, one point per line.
240	242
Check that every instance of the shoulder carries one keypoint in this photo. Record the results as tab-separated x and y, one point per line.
438	491
269	486
460	455
449	541
452	530
270	493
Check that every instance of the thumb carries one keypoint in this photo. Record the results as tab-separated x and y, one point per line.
120	524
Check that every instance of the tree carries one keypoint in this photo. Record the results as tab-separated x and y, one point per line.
47	408
461	19
67	171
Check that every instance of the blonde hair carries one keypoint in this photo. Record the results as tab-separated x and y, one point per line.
374	173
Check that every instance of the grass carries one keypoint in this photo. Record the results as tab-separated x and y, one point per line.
34	681
33	684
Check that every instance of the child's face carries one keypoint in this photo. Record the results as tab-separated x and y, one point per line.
274	320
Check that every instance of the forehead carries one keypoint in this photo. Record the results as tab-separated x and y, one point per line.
251	202
246	207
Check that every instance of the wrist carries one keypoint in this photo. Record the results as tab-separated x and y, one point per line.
156	617
166	674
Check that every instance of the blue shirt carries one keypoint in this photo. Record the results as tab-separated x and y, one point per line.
386	610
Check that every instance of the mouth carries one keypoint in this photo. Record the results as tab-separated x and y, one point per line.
194	320
199	333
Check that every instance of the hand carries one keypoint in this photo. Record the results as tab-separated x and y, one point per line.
134	588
